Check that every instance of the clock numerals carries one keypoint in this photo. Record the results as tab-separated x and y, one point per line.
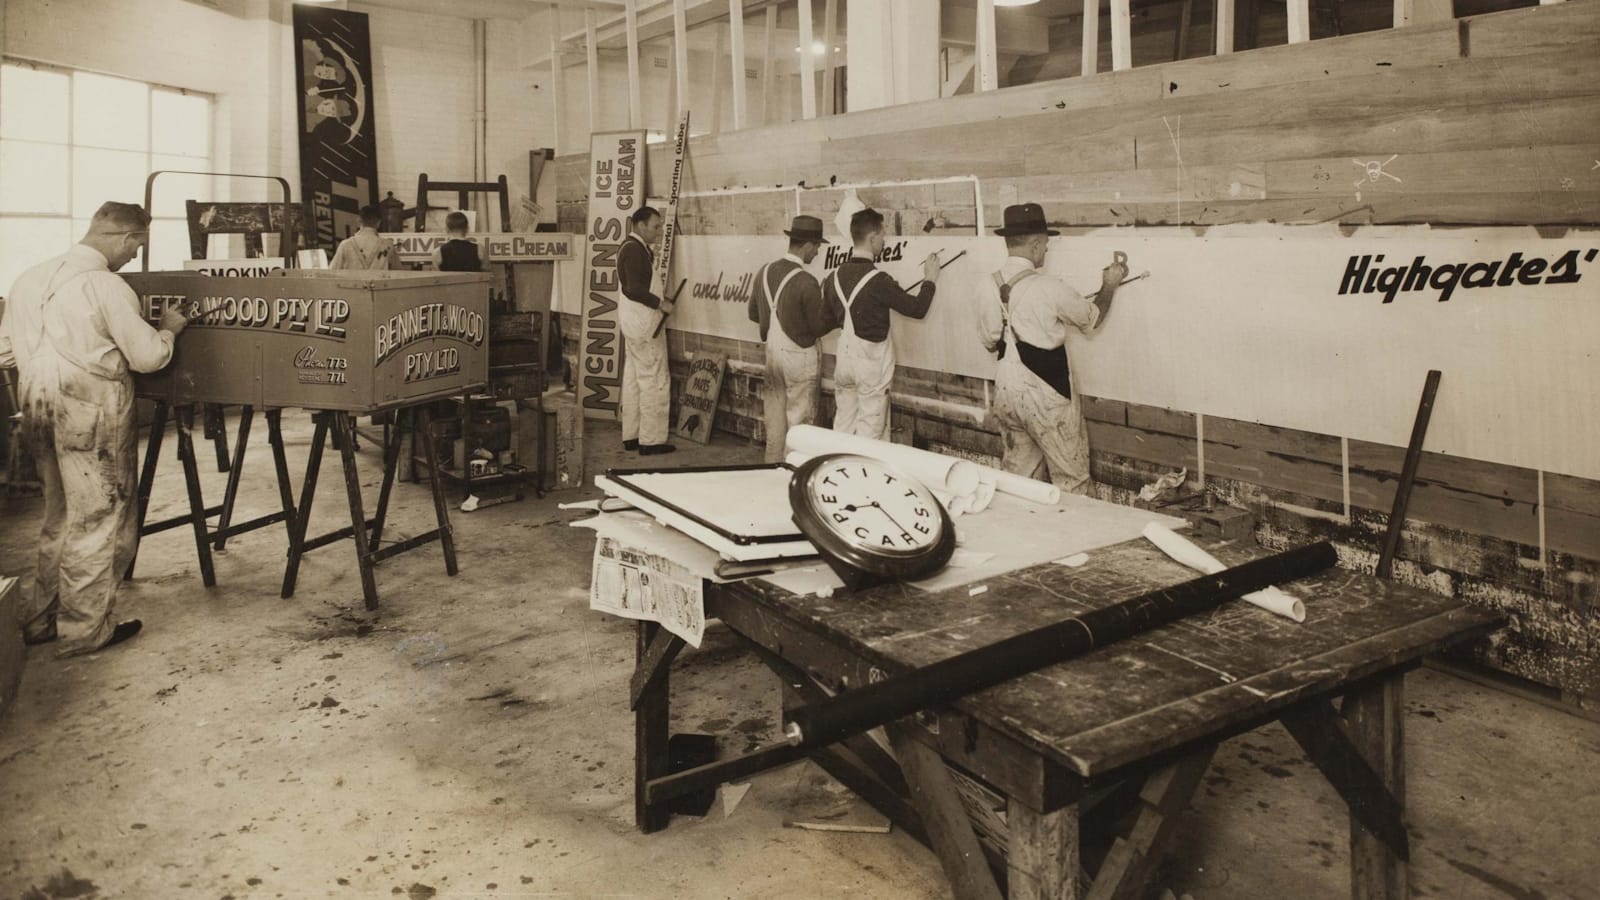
862	533
840	518
922	528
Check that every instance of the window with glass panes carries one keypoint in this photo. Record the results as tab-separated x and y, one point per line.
71	140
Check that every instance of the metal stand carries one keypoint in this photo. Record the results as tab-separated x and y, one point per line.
207	538
516	476
367	533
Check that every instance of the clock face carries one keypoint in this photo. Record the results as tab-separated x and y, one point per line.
868	520
873	508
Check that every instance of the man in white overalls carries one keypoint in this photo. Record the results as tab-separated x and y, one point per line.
74	331
859	296
787	305
1024	314
646	382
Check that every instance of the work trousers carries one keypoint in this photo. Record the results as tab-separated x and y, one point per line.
81	431
789	393
646	381
861	376
1044	434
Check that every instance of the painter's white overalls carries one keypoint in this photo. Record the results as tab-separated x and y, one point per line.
789	393
646	382
81	429
863	373
1043	432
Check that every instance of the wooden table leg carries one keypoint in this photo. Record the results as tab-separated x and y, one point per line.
1376	719
1132	859
308	492
1042	853
197	505
231	493
651	729
345	440
934	794
147	474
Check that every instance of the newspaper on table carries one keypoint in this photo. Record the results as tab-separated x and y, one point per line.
637	584
649	572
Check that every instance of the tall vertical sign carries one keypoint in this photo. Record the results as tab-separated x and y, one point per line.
616	188
338	153
661	276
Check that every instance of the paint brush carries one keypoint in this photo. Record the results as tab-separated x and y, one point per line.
942	266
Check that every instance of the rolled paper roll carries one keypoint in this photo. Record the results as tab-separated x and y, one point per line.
1028	489
1186	552
984	495
957	477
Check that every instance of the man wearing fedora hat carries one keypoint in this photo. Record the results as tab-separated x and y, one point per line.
1024	315
787	305
859	297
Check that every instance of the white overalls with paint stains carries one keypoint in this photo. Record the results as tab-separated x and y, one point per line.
1044	434
789	394
863	373
74	329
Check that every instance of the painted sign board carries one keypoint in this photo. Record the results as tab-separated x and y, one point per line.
616	188
357	341
495	247
1308	327
697	403
338	143
235	267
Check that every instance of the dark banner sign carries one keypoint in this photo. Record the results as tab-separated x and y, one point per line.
338	157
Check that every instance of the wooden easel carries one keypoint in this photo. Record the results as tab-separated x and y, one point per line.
462	189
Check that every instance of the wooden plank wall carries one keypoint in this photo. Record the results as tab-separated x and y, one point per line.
1498	119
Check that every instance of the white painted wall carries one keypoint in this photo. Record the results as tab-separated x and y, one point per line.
422	98
242	52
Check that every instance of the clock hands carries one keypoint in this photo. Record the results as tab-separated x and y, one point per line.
879	507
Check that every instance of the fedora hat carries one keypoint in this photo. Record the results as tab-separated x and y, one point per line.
806	228
1024	218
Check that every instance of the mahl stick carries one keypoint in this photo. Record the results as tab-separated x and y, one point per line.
1184	551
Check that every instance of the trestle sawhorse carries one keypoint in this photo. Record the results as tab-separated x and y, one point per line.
205	537
367	533
1020	789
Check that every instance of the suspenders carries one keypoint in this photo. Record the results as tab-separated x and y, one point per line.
1005	304
855	292
772	300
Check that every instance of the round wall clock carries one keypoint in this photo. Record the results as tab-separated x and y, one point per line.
870	522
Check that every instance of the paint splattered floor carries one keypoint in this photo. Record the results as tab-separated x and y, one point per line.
471	739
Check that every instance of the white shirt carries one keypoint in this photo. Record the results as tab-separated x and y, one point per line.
1042	308
75	304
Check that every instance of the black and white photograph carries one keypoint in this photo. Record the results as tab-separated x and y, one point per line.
800	449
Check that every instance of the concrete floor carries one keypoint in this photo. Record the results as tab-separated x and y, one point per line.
471	739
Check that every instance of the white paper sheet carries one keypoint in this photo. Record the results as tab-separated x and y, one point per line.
1018	534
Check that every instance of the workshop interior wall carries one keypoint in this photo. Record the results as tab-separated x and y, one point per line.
242	51
1503	113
